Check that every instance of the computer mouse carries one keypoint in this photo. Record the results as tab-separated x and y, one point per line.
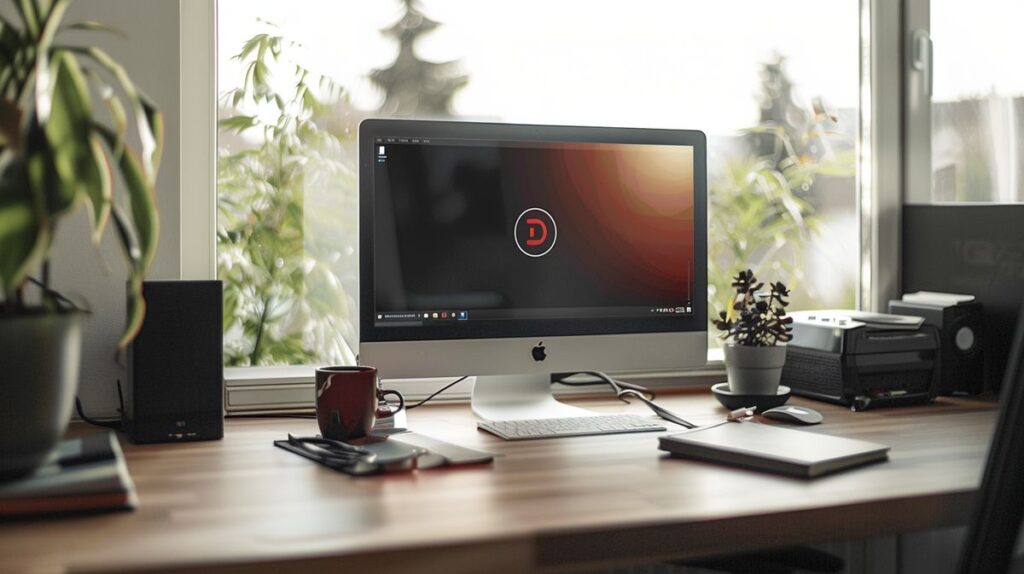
794	414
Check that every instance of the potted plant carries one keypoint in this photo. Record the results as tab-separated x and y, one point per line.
755	329
56	155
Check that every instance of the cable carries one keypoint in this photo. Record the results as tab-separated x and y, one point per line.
120	400
616	385
623	390
116	425
313	416
56	296
437	392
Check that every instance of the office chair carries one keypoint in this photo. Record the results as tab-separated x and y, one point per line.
774	561
999	506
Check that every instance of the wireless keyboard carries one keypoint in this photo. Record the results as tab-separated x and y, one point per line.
572	426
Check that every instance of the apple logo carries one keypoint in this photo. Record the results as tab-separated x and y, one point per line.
539	352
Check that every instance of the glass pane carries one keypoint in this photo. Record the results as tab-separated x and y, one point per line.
977	105
776	90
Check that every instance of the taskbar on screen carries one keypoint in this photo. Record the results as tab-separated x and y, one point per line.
437	317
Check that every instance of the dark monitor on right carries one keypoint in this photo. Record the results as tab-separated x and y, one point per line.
971	249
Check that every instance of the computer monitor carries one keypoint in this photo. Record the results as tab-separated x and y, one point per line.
512	252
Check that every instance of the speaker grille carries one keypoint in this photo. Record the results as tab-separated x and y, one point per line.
176	372
809	371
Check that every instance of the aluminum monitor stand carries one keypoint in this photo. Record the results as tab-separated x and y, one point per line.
519	397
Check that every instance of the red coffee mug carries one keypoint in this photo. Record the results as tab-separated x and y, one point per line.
347	400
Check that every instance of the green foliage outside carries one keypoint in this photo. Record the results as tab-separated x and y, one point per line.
760	212
287	216
288	211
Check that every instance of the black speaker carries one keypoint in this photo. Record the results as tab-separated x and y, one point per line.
962	342
175	365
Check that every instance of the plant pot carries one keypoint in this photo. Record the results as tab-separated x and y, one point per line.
754	370
39	361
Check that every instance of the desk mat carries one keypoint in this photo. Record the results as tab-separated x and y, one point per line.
402	452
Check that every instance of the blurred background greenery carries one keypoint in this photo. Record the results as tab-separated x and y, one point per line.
287	195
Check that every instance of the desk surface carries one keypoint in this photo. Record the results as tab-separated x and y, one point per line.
550	505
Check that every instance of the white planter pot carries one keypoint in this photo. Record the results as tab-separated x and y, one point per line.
754	370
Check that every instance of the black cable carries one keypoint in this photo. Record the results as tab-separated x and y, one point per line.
120	400
604	379
116	425
437	392
313	416
56	296
623	390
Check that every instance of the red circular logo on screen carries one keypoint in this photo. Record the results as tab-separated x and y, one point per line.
535	232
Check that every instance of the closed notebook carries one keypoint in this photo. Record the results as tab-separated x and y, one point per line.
85	474
772	448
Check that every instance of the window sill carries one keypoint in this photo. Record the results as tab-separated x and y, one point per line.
290	389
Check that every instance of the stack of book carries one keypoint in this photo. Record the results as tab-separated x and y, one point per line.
85	474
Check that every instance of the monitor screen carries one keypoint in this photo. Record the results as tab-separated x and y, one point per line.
531	231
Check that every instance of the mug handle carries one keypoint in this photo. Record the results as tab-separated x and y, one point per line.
401	400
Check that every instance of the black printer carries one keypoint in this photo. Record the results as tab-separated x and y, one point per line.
862	359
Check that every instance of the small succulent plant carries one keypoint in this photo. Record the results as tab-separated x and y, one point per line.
756	318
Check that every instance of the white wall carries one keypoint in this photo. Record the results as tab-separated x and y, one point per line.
151	55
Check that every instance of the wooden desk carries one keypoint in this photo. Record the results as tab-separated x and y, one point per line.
548	505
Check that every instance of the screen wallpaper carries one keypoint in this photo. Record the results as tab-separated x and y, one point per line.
533	225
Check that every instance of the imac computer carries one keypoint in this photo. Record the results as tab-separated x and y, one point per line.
511	252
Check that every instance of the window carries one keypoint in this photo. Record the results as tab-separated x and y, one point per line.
775	86
976	104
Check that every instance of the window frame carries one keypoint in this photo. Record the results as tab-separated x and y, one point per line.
881	147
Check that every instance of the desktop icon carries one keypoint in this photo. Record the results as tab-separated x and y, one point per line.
462	316
444	314
380	150
535	232
435	315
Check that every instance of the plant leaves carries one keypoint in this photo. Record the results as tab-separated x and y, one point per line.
100	195
237	123
10	125
79	163
136	308
94	26
50	195
139	237
29	16
148	119
44	80
11	47
126	235
117	114
142	199
135	312
23	235
153	151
